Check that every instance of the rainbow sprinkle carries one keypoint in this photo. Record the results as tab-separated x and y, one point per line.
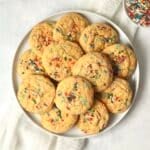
139	11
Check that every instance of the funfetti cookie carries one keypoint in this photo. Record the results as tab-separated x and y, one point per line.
96	68
57	121
95	119
98	36
29	63
69	27
41	36
74	95
59	58
36	94
118	96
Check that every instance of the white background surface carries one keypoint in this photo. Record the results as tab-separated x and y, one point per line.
17	17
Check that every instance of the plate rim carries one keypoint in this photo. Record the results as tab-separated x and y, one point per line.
13	66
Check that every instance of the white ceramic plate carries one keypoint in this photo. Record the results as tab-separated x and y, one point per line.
93	18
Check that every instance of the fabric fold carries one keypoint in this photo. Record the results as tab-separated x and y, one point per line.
70	144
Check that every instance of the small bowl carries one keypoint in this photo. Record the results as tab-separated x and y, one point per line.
126	11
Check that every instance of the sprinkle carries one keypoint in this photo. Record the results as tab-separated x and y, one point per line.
109	96
67	107
71	97
65	58
34	65
45	104
25	90
83	101
58	30
59	93
85	38
59	114
75	86
69	37
91	45
34	101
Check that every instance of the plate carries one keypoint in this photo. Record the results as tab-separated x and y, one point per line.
74	132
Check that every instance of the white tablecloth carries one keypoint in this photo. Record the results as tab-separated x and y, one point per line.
16	18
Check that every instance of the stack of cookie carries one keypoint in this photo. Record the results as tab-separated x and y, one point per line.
75	73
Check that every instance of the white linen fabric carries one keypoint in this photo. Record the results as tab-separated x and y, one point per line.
16	132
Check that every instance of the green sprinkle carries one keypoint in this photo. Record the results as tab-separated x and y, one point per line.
56	119
121	51
85	38
65	58
39	46
117	46
69	37
105	71
59	114
34	101
58	29
109	96
34	65
91	110
63	99
23	96
59	93
83	101
119	109
97	76
75	87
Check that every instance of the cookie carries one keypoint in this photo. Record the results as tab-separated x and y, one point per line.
118	96
40	37
59	58
98	36
57	121
96	68
95	119
36	94
69	27
120	59
74	95
133	61
29	63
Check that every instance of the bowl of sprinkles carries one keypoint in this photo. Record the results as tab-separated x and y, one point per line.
138	11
